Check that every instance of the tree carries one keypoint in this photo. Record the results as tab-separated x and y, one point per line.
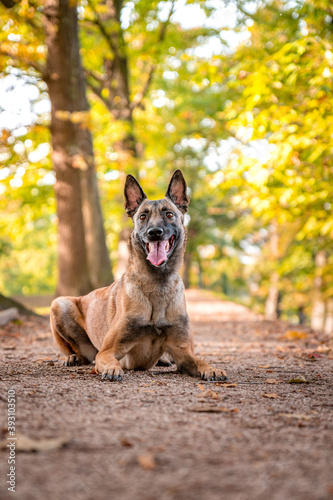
281	94
126	72
83	260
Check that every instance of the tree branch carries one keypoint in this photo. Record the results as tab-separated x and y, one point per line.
166	22
8	3
35	65
97	90
140	95
11	3
94	75
99	23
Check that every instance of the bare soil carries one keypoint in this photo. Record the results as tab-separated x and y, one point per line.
160	435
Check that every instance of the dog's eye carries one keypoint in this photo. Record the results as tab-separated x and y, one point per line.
169	215
143	216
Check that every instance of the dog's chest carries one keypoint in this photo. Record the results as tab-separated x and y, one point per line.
160	306
159	310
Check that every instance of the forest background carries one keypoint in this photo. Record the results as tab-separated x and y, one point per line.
236	94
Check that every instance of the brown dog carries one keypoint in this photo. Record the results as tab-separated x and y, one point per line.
141	316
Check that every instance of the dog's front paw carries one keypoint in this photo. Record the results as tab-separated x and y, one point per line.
111	372
109	367
75	360
211	373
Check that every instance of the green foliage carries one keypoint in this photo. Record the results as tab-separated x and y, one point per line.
251	128
281	93
27	214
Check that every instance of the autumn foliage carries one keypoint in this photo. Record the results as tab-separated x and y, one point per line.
242	104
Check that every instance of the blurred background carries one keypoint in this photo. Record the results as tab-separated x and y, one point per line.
236	94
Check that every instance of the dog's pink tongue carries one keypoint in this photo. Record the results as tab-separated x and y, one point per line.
157	253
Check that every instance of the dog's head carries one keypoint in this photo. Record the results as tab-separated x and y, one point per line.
158	225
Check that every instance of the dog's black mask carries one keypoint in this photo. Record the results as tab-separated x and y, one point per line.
158	225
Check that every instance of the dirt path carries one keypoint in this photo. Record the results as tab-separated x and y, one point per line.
160	435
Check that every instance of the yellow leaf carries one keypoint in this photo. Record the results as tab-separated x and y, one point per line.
298	380
295	335
298	416
271	381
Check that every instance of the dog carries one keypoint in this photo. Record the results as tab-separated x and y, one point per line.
142	316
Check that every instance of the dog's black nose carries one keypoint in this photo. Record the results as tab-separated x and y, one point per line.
155	232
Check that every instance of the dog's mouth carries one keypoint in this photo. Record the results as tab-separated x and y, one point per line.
159	251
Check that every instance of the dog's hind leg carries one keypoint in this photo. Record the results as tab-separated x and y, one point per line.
68	332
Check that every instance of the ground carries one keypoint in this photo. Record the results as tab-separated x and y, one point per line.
160	435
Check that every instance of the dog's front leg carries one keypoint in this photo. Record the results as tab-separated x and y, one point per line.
107	359
108	365
180	346
188	363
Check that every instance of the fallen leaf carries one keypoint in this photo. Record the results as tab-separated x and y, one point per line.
300	379
209	394
270	395
147	461
42	360
307	358
298	416
263	366
93	372
295	335
218	382
280	348
201	387
330	489
125	442
324	349
26	444
271	381
211	409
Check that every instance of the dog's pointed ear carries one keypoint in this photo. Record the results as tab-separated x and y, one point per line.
177	191
134	195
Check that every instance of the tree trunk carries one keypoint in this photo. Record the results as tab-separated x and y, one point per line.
272	301
117	100
7	303
99	264
83	261
186	269
318	308
271	304
201	284
225	284
123	254
301	315
328	329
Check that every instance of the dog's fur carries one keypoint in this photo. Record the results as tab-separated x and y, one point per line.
141	316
